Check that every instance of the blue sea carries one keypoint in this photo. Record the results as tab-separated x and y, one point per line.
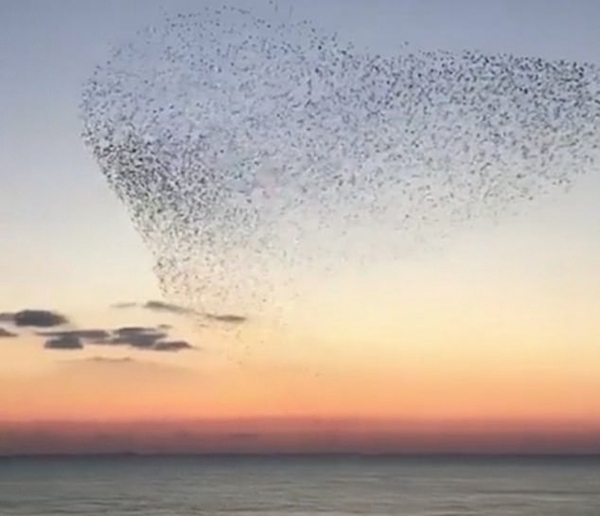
300	486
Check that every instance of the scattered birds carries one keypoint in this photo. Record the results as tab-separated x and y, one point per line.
251	153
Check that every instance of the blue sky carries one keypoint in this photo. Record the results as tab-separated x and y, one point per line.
64	234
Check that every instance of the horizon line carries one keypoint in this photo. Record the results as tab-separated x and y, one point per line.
316	454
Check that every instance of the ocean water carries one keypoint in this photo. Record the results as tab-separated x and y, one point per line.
300	486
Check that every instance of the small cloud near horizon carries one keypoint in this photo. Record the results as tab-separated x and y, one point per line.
108	360
122	364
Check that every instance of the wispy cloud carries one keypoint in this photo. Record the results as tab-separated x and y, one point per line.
108	360
156	306
123	305
161	306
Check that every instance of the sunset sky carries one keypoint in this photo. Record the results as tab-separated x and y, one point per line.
488	341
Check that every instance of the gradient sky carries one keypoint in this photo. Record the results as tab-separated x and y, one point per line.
495	331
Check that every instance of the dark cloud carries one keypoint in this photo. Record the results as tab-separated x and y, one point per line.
227	318
65	342
160	306
133	330
142	338
35	318
6	334
139	337
147	338
86	335
174	345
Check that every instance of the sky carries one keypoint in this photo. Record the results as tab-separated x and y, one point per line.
487	342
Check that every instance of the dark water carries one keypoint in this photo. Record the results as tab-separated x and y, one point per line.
300	486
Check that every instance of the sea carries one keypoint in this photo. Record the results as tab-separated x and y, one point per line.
300	486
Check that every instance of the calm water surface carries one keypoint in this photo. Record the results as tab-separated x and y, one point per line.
286	486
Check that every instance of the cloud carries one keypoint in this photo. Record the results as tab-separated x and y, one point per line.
161	306
174	345
142	338
87	335
120	365
6	334
227	318
133	330
138	337
109	360
34	318
124	305
65	342
156	306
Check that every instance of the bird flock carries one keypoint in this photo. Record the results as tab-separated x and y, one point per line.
251	153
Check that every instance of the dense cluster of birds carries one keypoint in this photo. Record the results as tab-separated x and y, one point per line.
253	152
